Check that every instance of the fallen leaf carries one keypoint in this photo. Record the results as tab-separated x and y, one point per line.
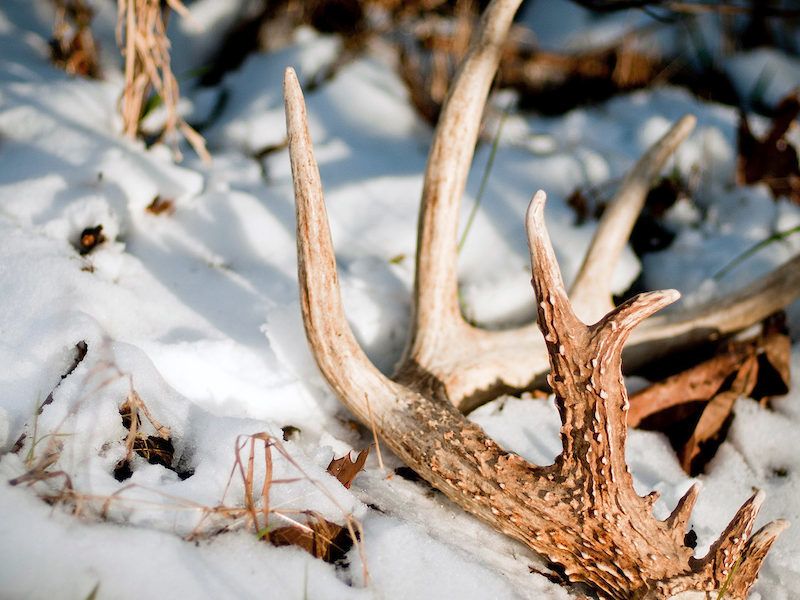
319	537
774	359
345	469
772	160
715	415
90	238
155	449
72	46
698	383
693	407
580	205
161	206
290	432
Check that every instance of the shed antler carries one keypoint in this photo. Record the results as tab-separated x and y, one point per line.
581	512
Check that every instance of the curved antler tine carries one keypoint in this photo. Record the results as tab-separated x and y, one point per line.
436	287
332	342
591	290
618	324
679	518
724	553
717	317
753	555
553	304
735	558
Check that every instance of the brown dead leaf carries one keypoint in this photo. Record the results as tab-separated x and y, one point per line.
773	160
319	537
161	206
155	449
699	383
90	238
72	46
693	407
580	205
716	414
345	469
774	376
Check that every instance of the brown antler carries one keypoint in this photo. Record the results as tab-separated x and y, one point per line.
581	512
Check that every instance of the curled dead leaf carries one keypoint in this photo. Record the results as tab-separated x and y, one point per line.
694	407
318	536
716	413
345	468
771	160
90	238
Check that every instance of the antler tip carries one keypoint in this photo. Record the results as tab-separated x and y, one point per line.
777	527
670	296
757	499
533	217
659	299
687	122
291	87
289	76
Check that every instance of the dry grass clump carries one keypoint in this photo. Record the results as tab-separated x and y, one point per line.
142	36
253	512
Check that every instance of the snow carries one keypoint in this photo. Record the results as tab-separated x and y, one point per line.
197	311
764	75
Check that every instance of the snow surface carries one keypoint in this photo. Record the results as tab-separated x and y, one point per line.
198	312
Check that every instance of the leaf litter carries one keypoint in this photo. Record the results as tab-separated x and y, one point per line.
694	407
772	159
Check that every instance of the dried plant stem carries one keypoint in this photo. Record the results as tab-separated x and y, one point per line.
374	434
148	71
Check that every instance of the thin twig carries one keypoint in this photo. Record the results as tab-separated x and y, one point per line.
374	433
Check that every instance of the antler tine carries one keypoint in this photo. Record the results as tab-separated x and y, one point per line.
591	290
753	556
338	354
679	518
726	550
436	309
586	363
735	558
717	317
547	282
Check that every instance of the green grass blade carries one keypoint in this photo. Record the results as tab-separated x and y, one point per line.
775	237
484	179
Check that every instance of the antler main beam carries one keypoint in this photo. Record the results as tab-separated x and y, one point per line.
581	512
